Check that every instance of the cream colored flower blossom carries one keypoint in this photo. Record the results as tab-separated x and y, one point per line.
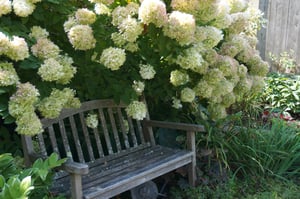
185	5
29	124
203	89
4	43
147	71
130	29
181	26
18	49
238	5
138	87
37	32
137	110
8	74
92	121
23	8
81	37
153	11
50	107
102	9
58	69
113	58
119	14
176	103
118	39
23	100
5	7
192	59
178	78
45	49
213	36
131	47
70	23
85	16
187	95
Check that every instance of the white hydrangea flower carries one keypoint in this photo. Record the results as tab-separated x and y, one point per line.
29	124
23	8
216	111
187	95
118	39
102	9
4	43
137	110
181	26
213	36
130	29
138	87
92	121
113	58
58	69
70	23
5	7
193	60
50	107
131	47
153	11
37	32
45	49
8	74
119	14
85	16
203	89
238	5
18	49
147	71
184	5
178	78
176	103
23	100
81	37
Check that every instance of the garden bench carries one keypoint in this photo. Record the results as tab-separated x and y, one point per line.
118	155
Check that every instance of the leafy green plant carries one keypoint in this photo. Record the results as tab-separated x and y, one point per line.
265	151
285	62
282	92
33	182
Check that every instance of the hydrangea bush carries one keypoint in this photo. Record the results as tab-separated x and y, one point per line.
177	52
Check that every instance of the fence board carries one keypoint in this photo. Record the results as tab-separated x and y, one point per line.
283	28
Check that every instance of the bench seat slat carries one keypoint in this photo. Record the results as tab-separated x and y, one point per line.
137	168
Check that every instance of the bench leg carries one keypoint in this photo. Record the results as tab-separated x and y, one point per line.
191	140
192	173
76	186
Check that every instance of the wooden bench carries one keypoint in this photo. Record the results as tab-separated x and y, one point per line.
117	156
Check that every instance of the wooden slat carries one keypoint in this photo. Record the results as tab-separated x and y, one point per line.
76	139
132	131
98	142
114	129
140	131
65	139
124	132
53	140
42	144
105	131
87	137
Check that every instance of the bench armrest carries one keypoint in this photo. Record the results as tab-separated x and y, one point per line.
75	167
174	125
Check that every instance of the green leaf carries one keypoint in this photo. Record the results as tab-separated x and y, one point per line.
9	120
29	64
43	173
25	185
2	181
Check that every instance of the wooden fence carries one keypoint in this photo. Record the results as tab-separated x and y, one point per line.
282	32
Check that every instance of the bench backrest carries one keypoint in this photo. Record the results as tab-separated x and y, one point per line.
69	136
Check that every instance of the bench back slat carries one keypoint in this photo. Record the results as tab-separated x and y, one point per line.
69	136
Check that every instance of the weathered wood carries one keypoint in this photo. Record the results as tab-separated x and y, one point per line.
116	160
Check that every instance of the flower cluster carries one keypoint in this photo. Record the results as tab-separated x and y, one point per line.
59	69
15	49
50	107
22	106
147	71
180	26
113	58
153	11
55	67
8	74
137	110
178	78
187	95
138	86
24	8
5	7
92	121
79	31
